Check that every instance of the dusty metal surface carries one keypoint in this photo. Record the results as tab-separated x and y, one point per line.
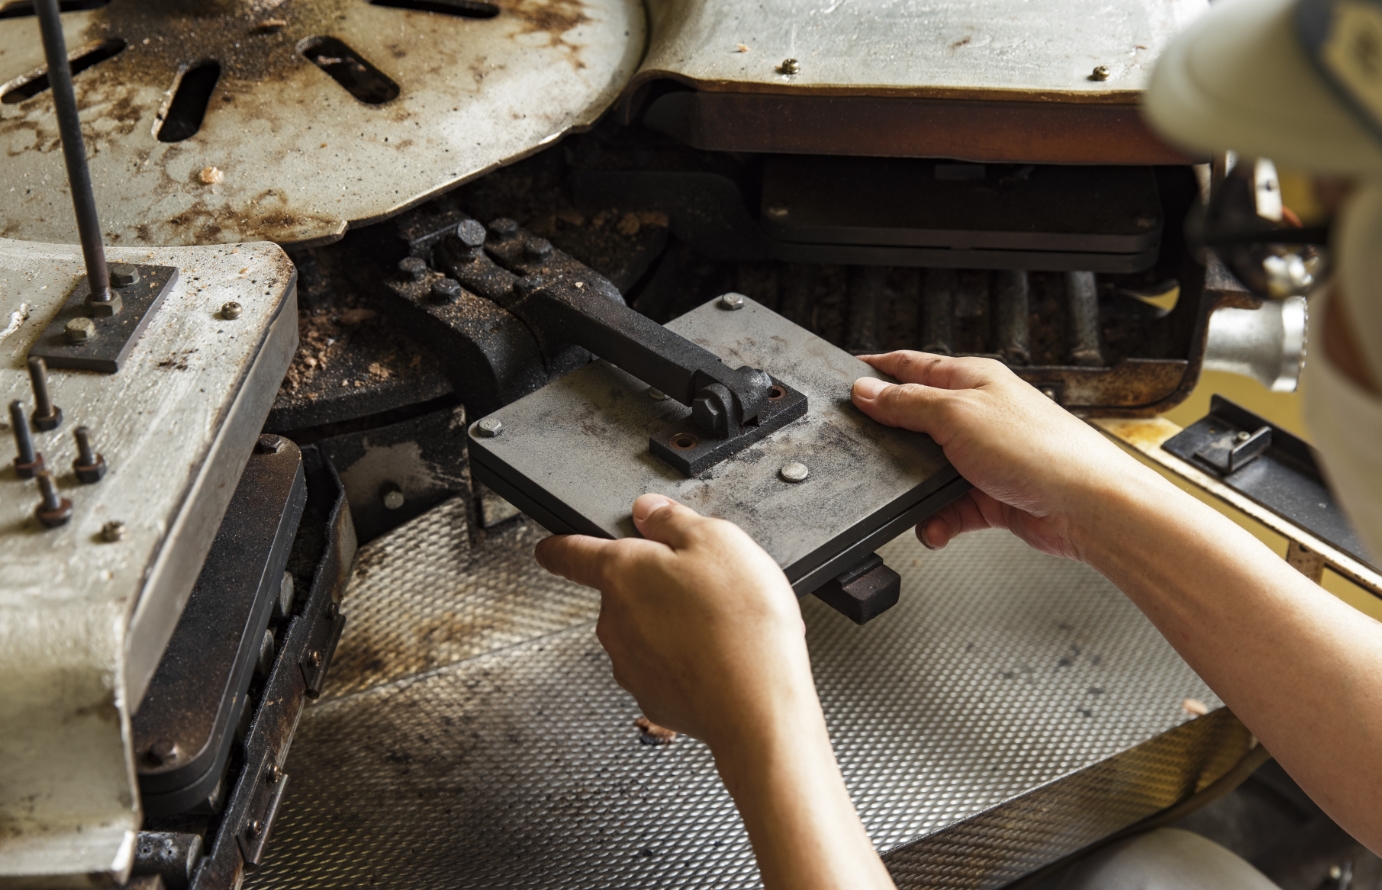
579	448
83	622
1147	436
1012	708
296	157
1010	50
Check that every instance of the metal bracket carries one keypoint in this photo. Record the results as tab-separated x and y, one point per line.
686	447
111	336
864	592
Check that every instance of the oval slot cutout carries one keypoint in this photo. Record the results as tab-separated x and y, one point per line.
191	96
27	88
26	7
349	69
468	9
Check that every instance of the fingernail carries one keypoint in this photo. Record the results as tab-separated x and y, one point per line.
648	504
869	387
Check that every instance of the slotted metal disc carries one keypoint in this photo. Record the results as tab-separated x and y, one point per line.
320	114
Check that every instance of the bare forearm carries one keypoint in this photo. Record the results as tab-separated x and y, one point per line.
1302	669
805	832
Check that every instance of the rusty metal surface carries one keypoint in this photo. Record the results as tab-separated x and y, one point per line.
84	622
1010	709
297	157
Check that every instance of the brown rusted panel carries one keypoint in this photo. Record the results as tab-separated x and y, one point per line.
974	130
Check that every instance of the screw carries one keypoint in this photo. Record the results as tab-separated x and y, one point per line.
232	310
538	249
392	497
414	267
254	828
80	330
333	610
47	416
789	66
472	235
27	462
795	472
446	290
274	773
53	510
489	427
112	531
1049	393
1243	436
314	658
503	227
123	275
163	751
732	301
657	395
89	466
1100	73
269	444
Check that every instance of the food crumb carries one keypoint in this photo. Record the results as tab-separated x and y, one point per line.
271	24
652	734
211	175
741	48
1194	706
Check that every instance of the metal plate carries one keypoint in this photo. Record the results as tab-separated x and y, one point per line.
84	622
1013	708
578	450
301	157
115	335
1007	50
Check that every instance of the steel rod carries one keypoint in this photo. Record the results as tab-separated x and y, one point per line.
73	149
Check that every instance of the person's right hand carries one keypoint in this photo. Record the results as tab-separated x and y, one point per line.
1035	468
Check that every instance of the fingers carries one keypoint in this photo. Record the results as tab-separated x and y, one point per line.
965	514
907	405
940	371
578	558
661	519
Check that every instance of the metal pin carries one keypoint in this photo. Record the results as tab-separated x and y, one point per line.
89	466
27	462
74	151
1082	319
1010	287
938	288
53	510
46	416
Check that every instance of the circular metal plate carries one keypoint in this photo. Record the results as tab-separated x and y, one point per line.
284	151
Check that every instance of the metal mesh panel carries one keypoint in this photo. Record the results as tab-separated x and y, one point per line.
1011	709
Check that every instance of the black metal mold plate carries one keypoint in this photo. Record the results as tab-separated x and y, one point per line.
1285	478
115	335
199	688
700	451
574	455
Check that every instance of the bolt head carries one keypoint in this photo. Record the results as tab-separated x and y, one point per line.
1100	73
393	498
274	773
314	658
657	395
446	290
732	301
90	474
414	267
538	249
529	285
80	330
1243	436
1049	393
794	472
269	444
54	518
123	275
503	227
789	66
105	308
489	427
112	531
471	233
255	828
47	422
232	310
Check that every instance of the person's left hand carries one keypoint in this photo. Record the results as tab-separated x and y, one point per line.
700	623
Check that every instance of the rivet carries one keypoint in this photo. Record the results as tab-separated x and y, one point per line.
732	301
232	310
794	472
489	427
392	497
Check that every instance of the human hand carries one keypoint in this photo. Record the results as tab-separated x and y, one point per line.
1036	469
699	622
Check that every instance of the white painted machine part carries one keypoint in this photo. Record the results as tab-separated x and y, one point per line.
1266	344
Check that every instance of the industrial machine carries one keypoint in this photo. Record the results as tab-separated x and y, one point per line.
428	276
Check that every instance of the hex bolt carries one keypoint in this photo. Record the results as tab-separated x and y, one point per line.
503	227
538	249
89	466
732	301
163	751
794	472
232	310
657	395
392	496
414	267
489	427
80	330
789	66
269	444
53	510
471	234
124	275
112	531
1100	73
446	290
46	416
28	461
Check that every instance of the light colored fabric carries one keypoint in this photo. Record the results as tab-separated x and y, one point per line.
1165	859
1238	79
1357	252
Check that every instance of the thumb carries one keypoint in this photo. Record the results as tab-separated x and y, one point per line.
659	518
910	406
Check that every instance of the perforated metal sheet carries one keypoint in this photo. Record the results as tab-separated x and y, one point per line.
1011	709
